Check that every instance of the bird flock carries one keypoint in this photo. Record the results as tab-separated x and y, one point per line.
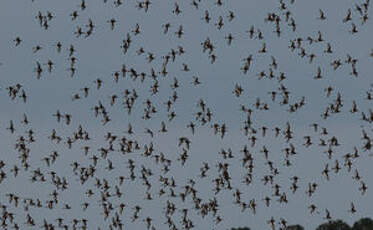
192	114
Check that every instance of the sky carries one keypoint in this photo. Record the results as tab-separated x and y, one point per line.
100	55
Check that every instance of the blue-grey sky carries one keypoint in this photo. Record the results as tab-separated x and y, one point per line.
100	55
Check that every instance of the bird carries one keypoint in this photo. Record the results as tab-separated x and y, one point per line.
11	127
17	41
322	15
352	209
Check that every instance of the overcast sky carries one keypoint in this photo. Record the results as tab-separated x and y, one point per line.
100	55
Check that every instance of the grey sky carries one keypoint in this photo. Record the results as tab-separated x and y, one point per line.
100	55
